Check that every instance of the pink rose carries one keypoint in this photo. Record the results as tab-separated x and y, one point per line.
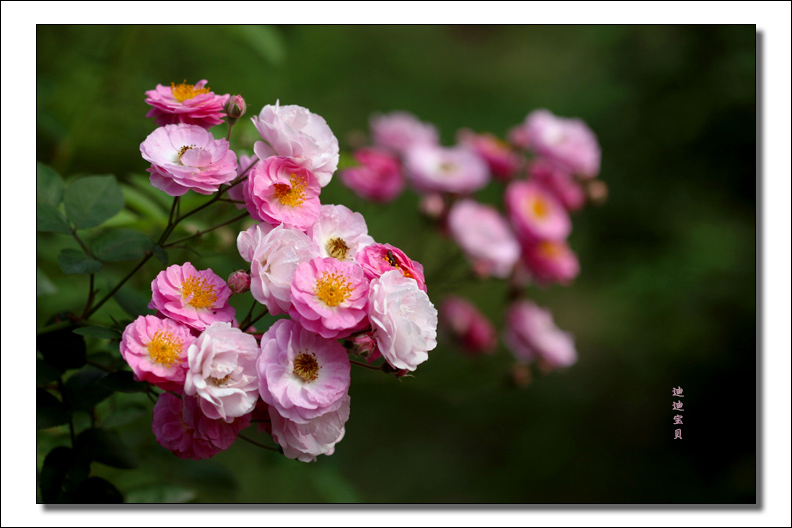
339	233
249	239
186	103
468	326
535	213
432	168
377	259
499	156
306	441
400	131
560	183
551	261
569	143
278	190
531	334
379	178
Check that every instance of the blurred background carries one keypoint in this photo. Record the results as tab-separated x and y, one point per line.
666	296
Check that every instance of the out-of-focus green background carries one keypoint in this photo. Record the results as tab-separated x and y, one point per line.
666	296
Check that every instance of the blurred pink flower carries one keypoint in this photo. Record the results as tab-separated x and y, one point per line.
503	162
485	237
551	261
560	183
377	259
194	297
278	190
531	335
379	178
400	131
186	103
306	441
339	233
464	322
185	157
432	168
570	143
535	213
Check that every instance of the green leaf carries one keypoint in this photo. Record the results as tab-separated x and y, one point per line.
44	286
100	332
161	254
74	261
95	490
123	381
144	205
49	185
160	494
106	448
265	40
50	219
84	389
62	349
49	411
133	302
61	470
91	200
45	373
121	244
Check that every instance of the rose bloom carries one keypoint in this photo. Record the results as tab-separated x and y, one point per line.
535	213
531	335
237	192
339	233
551	261
400	131
278	190
186	103
403	319
379	177
222	372
185	157
560	183
156	350
432	168
569	143
249	239
181	426
295	132
194	297
301	374
377	259
306	441
329	297
467	325
485	237
499	156
272	267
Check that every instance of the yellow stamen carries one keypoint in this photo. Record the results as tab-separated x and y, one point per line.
203	293
390	259
184	149
538	206
185	91
222	381
333	288
306	367
550	249
165	348
293	193
337	248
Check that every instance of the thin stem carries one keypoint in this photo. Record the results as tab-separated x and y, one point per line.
245	322
246	439
230	128
118	286
199	233
89	302
359	364
82	244
259	316
99	366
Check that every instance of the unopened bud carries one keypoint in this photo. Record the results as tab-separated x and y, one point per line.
432	206
364	345
235	107
239	282
597	191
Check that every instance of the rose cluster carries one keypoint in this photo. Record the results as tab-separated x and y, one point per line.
344	293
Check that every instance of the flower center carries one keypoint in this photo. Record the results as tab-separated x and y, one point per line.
200	293
447	167
337	248
165	348
221	381
184	149
293	193
306	367
333	288
538	207
185	91
549	249
390	258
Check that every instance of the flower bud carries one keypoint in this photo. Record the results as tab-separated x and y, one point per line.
239	282
235	107
432	206
364	345
597	192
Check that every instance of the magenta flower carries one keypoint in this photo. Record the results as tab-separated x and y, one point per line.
551	261
306	441
432	168
503	162
531	335
185	157
194	297
403	319
400	131
339	233
301	375
186	103
156	350
569	143
468	326
179	425
379	177
559	182
485	237
278	190
534	213
377	259
330	297
294	132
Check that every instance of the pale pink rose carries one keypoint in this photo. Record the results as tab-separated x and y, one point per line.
272	267
467	325
156	350
400	131
194	297
306	441
485	237
186	103
432	168
403	319
339	233
329	297
180	425
278	190
237	192
570	143
534	212
503	162
294	132
239	282
185	157
301	374
249	239
531	335
377	259
379	178
560	183
551	261
222	372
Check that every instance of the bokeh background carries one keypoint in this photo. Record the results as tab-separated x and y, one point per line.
666	296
